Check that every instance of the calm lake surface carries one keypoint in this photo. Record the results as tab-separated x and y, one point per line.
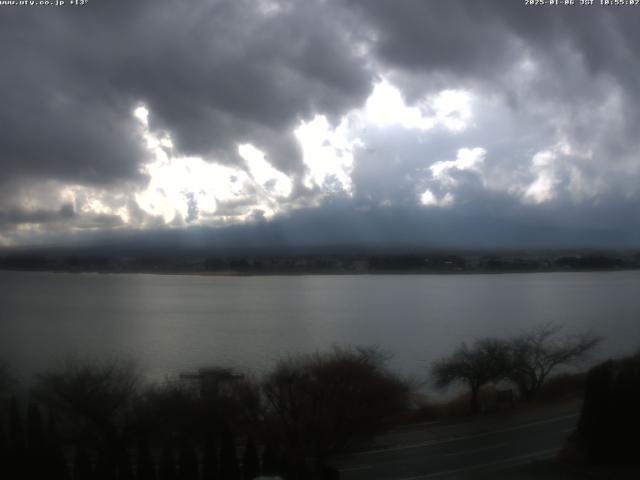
174	323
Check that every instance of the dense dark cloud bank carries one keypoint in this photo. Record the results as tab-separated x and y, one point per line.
458	123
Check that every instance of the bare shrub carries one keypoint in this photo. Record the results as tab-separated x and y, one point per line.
93	397
324	403
538	352
474	366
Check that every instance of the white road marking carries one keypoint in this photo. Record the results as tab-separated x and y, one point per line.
509	462
476	450
424	424
466	437
355	469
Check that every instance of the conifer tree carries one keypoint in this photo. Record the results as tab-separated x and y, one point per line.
188	461
3	448
145	468
167	470
105	468
36	453
210	465
16	448
229	469
270	463
250	461
125	469
82	466
56	462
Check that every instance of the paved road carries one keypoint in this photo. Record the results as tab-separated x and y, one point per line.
462	456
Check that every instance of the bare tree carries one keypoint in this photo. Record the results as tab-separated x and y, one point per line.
484	362
325	402
536	353
97	396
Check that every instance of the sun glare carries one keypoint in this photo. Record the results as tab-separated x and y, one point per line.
327	153
271	180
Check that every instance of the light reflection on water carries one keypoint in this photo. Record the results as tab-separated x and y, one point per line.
170	323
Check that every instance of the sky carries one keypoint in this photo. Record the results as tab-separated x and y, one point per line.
458	123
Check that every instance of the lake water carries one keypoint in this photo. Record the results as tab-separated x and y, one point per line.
174	323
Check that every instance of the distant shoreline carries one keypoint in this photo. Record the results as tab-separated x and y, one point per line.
326	264
313	273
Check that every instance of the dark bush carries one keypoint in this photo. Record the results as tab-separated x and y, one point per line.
610	417
562	387
325	403
93	400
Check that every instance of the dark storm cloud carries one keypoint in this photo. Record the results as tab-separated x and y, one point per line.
474	39
213	73
57	123
221	72
544	79
344	224
584	56
20	217
60	218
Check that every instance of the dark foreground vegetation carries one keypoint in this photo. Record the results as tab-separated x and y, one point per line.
99	421
610	419
524	362
102	421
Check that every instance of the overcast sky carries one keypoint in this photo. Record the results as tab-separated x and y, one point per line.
439	122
